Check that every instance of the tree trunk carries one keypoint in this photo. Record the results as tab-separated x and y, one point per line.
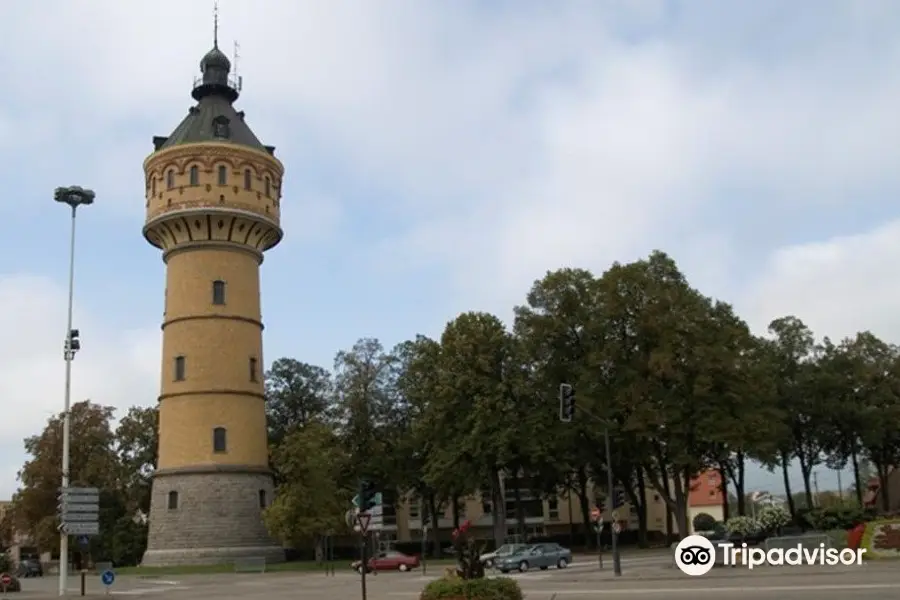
682	481
667	490
641	506
787	486
856	482
498	515
454	510
517	502
806	472
723	489
435	525
884	493
585	506
740	466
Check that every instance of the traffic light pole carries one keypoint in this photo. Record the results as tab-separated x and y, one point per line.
617	563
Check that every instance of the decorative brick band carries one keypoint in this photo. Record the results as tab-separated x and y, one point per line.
213	469
256	322
210	392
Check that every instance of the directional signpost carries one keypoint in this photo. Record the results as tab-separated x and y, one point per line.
79	511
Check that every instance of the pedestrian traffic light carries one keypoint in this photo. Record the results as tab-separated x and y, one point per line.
72	344
618	497
566	402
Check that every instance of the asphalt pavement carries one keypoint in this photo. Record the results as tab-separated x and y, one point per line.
643	575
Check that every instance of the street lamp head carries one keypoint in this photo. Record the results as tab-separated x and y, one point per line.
74	196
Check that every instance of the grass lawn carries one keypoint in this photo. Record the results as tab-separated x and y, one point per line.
287	567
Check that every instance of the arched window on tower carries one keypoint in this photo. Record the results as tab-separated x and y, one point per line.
153	186
268	187
170	179
220	444
223	175
248	179
195	175
262	498
173	500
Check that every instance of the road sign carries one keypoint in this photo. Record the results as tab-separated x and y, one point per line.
81	528
107	577
363	519
596	514
5	581
80	517
69	507
377	498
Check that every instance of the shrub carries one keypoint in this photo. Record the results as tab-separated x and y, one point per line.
742	526
773	518
6	565
704	522
825	519
501	588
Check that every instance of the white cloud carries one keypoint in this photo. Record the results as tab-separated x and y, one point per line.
113	368
837	286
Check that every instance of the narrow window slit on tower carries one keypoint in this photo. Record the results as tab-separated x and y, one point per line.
223	175
218	292
268	187
262	498
179	368
173	500
253	369
220	444
248	179
195	175
170	179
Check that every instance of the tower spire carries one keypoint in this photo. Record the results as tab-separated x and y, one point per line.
215	24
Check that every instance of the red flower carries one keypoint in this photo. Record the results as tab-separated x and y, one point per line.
465	526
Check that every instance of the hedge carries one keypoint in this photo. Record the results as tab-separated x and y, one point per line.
501	588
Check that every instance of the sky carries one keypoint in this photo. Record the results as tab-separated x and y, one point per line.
440	157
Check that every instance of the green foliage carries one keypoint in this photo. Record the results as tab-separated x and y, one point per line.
742	526
704	522
501	588
5	563
772	518
825	519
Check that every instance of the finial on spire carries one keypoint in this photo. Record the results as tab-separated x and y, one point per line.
215	24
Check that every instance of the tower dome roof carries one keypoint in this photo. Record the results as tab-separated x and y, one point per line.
215	59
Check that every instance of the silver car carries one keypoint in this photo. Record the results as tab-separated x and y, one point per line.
541	556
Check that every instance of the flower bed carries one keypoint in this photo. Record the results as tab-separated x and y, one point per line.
882	539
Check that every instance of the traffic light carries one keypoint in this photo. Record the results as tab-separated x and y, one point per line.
618	497
71	345
566	402
368	497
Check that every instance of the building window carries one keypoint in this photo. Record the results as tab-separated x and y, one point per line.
220	127
195	175
268	187
179	368
219	441
262	498
223	175
253	369
415	504
218	292
248	179
486	507
153	186
173	500
170	179
553	509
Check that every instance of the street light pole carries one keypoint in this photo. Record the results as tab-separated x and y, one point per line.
74	196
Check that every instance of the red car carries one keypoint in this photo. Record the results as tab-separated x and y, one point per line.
389	561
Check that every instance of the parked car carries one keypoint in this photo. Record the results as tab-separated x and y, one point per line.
388	561
542	556
30	567
490	558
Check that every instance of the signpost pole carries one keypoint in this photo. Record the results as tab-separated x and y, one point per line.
364	566
617	563
424	548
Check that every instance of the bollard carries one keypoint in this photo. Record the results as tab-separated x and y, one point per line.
83	579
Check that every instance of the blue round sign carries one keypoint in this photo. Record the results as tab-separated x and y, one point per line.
107	577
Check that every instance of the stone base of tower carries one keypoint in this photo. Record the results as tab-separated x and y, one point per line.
215	518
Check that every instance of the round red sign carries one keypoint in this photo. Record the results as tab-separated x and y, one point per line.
5	579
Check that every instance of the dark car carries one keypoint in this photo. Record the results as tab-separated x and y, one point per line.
30	568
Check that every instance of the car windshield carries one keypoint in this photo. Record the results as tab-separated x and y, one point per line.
508	549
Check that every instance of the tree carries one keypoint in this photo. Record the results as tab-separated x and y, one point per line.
93	463
296	394
137	449
310	502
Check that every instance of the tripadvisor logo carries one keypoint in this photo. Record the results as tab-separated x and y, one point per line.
696	555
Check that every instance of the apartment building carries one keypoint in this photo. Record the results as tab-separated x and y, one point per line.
553	516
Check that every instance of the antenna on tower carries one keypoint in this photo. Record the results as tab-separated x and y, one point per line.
215	24
234	65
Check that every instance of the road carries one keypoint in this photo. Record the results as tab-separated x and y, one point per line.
643	576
